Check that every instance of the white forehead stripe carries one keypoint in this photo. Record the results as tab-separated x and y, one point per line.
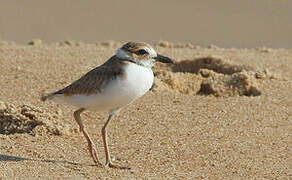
151	51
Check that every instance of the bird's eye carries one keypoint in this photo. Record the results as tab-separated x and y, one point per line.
141	52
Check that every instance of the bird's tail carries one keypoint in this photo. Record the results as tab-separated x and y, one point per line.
48	96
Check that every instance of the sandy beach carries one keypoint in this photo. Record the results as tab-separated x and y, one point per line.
216	114
222	111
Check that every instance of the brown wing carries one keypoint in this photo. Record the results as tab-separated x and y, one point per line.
96	79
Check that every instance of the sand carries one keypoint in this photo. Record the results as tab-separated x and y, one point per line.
216	114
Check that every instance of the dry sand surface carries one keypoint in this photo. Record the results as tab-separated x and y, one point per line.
216	113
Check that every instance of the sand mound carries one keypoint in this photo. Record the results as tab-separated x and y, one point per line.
27	119
210	76
215	64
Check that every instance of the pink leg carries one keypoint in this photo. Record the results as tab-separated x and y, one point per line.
107	154
91	145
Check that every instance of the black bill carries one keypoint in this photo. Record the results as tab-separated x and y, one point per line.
163	59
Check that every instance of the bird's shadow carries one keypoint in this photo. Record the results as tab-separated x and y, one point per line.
7	158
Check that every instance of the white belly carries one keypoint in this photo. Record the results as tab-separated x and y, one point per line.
117	93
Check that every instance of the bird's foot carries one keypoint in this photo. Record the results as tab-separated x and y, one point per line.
98	164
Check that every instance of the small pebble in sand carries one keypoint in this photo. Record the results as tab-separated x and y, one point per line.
35	42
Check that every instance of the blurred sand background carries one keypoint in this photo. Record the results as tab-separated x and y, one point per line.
223	111
225	23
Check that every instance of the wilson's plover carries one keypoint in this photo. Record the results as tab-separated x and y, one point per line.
122	79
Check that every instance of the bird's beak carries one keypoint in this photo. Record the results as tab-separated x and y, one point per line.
163	59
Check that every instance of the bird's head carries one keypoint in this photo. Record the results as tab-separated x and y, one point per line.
141	53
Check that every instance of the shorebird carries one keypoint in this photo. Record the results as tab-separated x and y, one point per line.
123	78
